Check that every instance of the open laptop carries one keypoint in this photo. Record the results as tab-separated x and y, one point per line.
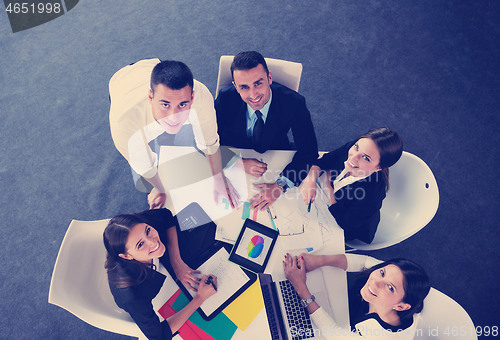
286	317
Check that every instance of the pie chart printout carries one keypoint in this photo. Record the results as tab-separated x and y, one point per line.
255	246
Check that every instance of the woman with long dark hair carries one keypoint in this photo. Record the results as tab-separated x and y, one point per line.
135	245
384	297
358	178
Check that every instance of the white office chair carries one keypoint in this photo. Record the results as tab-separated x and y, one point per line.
286	73
79	281
443	318
410	204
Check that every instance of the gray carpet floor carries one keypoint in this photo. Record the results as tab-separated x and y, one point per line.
429	69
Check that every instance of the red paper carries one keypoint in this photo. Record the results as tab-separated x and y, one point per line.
188	331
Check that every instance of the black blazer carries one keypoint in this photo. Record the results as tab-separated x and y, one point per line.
357	210
136	300
288	112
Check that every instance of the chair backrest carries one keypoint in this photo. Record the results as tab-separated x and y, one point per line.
286	73
410	204
443	318
79	281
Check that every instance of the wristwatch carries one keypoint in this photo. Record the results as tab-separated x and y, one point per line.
282	184
307	302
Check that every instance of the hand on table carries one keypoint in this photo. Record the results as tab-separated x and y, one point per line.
156	199
311	262
308	189
267	195
206	290
186	274
224	187
254	167
295	271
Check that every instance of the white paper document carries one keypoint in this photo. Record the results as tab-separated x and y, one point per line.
188	178
298	227
230	278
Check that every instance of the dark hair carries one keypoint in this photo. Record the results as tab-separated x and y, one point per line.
390	147
248	60
415	284
122	272
173	74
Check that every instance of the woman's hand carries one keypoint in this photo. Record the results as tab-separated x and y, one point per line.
295	272
311	262
308	189
186	274
206	290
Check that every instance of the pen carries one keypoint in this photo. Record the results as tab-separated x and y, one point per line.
210	281
271	218
309	206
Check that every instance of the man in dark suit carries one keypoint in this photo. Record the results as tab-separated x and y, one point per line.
255	113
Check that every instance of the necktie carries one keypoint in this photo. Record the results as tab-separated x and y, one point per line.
257	131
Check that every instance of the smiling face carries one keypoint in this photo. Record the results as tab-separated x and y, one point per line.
384	289
143	244
253	85
363	158
171	107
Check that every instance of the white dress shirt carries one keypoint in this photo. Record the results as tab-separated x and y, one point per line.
133	125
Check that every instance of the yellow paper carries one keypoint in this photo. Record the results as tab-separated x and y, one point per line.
245	308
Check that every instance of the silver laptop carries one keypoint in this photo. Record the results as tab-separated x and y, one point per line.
286	317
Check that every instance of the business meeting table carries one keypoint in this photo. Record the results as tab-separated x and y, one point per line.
187	176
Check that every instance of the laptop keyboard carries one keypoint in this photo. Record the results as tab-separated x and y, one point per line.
298	317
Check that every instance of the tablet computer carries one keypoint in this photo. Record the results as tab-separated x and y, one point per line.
253	246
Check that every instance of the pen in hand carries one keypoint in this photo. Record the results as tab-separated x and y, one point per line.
309	206
210	281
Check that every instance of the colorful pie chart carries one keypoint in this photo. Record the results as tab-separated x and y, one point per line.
255	246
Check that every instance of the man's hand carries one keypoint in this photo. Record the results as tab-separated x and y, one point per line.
185	274
267	195
224	187
254	167
156	199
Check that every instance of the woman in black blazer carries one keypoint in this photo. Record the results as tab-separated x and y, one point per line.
358	175
134	242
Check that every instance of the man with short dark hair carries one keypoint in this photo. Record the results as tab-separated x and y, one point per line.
255	113
157	103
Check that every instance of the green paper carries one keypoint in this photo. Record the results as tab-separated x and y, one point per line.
220	327
246	210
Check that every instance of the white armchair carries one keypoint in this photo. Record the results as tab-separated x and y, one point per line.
80	284
443	318
410	204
